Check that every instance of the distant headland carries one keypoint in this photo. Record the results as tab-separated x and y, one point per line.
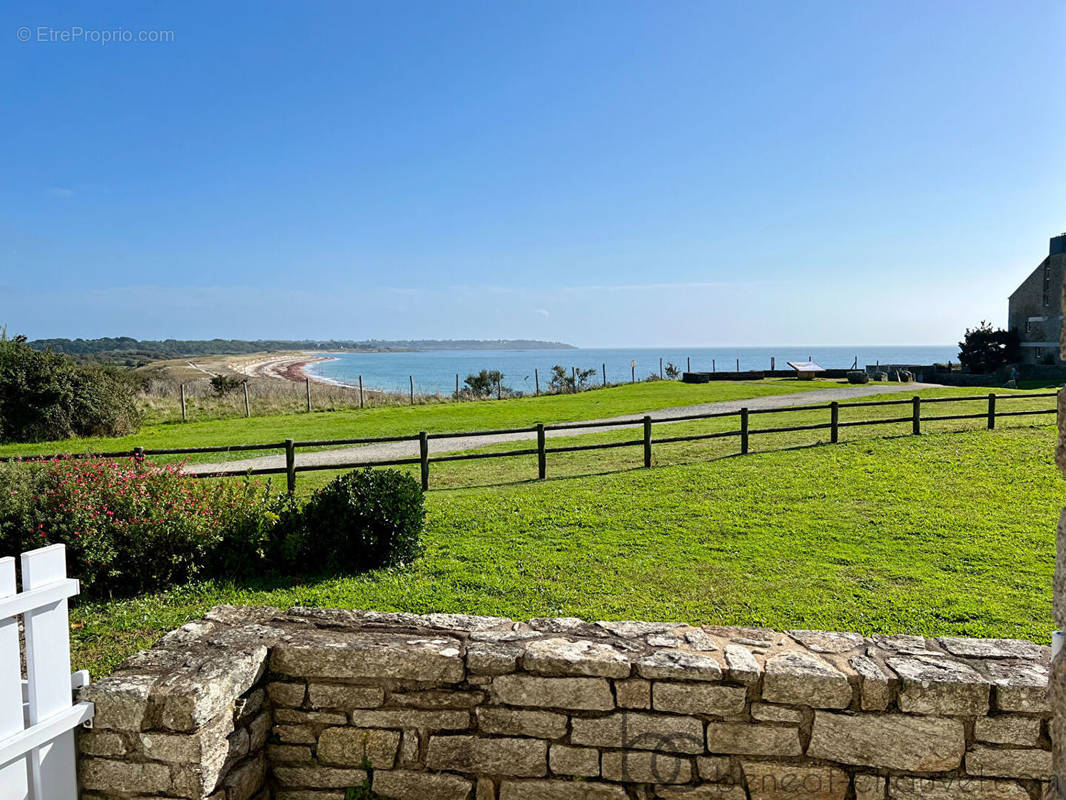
135	352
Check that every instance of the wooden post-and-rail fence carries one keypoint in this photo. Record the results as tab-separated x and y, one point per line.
744	432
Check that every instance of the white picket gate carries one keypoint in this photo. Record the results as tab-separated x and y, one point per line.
37	715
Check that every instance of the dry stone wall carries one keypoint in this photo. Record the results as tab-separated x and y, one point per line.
1058	668
310	704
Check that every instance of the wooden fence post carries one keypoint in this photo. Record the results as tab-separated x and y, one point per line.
714	368
743	431
660	368
834	421
773	366
247	405
412	379
307	386
647	441
632	373
184	416
499	388
688	363
738	365
290	466
457	385
603	366
423	454
536	382
573	378
360	391
991	410
542	456
916	417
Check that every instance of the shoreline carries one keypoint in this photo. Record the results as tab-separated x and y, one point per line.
292	368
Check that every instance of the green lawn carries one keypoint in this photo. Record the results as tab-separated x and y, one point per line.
394	420
947	533
485	472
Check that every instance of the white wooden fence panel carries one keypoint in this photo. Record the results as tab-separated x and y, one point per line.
14	781
52	766
37	717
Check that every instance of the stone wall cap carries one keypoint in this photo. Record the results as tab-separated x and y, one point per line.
995	648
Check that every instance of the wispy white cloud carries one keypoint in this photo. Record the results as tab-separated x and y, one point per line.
542	311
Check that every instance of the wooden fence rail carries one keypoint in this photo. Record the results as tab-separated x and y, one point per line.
744	432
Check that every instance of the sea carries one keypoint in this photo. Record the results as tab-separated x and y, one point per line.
435	371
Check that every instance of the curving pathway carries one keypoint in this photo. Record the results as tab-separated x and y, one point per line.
387	451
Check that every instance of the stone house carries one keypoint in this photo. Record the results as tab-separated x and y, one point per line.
1033	308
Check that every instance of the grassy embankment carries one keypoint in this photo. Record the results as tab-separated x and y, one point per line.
938	534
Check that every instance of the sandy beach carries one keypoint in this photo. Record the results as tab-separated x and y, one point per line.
288	366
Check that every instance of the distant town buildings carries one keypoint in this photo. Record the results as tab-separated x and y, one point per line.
1034	309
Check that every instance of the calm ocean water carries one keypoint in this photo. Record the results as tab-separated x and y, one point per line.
435	371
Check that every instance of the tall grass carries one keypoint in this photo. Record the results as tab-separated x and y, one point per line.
160	400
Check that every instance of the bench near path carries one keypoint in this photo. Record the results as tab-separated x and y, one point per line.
388	451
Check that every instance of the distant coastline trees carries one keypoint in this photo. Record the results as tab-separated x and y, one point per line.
126	351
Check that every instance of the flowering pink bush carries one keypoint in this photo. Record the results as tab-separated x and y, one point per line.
132	526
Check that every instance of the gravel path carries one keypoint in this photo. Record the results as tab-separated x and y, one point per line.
387	451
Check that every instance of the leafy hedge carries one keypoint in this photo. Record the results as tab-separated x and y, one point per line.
132	527
47	396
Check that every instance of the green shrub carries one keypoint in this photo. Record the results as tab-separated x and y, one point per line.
47	396
222	385
362	520
985	349
131	527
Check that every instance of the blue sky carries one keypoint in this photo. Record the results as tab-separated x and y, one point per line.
603	173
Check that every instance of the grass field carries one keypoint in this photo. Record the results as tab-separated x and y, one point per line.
392	420
947	533
490	472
